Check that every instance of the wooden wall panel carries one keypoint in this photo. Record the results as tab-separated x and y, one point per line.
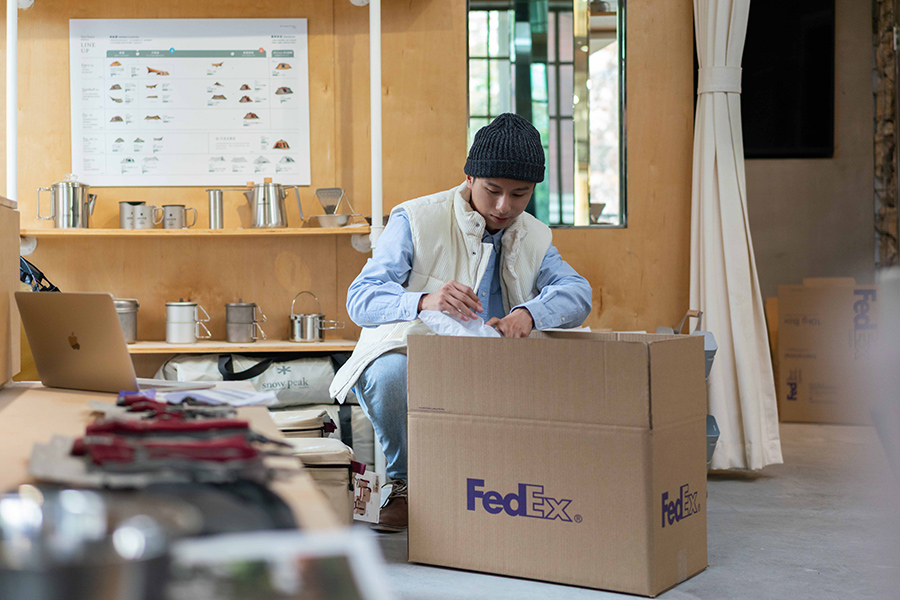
640	275
9	283
212	272
425	92
268	271
45	124
424	98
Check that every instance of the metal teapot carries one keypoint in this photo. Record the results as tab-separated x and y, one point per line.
267	203
71	206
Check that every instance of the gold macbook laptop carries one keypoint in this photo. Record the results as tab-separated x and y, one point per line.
78	344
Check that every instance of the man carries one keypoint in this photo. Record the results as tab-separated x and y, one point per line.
470	252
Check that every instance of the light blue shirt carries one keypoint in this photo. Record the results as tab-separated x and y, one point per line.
377	296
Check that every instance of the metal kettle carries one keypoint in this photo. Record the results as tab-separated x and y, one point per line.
267	203
71	206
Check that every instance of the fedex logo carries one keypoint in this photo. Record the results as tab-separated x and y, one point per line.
528	501
792	390
864	330
793	381
685	505
861	309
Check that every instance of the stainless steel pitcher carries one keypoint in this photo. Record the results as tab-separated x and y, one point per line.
71	206
267	203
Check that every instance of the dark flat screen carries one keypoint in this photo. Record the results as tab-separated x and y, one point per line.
787	100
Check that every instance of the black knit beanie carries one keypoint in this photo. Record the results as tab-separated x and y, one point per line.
510	148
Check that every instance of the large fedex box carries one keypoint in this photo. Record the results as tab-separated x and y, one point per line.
575	458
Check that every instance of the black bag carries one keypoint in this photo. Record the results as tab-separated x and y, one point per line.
30	274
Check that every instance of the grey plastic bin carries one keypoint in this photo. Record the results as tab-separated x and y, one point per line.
712	436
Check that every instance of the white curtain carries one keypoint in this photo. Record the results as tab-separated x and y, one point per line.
724	282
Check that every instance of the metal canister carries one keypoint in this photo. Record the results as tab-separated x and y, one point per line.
215	209
183	322
242	321
127	309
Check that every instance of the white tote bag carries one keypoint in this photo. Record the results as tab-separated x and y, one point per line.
295	382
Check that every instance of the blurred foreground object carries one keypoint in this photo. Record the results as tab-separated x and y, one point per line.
69	544
886	406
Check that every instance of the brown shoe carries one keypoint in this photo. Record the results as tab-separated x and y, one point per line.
394	515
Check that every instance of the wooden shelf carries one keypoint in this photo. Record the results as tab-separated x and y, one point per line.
213	346
127	233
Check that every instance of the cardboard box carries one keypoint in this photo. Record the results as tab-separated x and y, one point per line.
771	309
575	458
826	351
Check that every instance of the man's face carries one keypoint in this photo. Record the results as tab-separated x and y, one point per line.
498	200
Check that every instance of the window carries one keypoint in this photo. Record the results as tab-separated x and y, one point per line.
523	59
490	67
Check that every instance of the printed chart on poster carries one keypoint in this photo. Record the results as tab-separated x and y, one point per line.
181	102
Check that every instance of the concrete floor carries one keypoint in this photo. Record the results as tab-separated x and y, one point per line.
823	525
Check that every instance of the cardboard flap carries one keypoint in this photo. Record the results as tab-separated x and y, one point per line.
829	282
677	370
579	379
602	336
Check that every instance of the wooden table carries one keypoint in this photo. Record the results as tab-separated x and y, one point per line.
31	413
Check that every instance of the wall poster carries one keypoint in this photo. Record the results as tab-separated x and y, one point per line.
189	102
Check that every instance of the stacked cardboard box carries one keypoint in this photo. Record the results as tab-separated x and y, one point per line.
575	458
826	333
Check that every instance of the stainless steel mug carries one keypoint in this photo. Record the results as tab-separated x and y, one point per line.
183	323
126	214
216	219
127	309
71	205
146	216
242	321
174	216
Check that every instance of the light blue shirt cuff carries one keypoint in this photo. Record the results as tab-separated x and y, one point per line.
409	306
543	317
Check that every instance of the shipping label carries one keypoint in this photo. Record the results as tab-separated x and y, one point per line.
366	497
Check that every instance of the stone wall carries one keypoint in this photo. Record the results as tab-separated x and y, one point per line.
884	19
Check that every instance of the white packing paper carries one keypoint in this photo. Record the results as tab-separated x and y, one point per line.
444	324
221	396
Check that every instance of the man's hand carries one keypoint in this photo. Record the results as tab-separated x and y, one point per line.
516	324
454	299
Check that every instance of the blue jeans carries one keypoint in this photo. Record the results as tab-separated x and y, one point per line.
381	390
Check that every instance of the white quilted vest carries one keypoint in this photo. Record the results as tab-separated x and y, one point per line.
446	234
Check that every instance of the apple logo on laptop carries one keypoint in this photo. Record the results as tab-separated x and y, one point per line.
73	341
